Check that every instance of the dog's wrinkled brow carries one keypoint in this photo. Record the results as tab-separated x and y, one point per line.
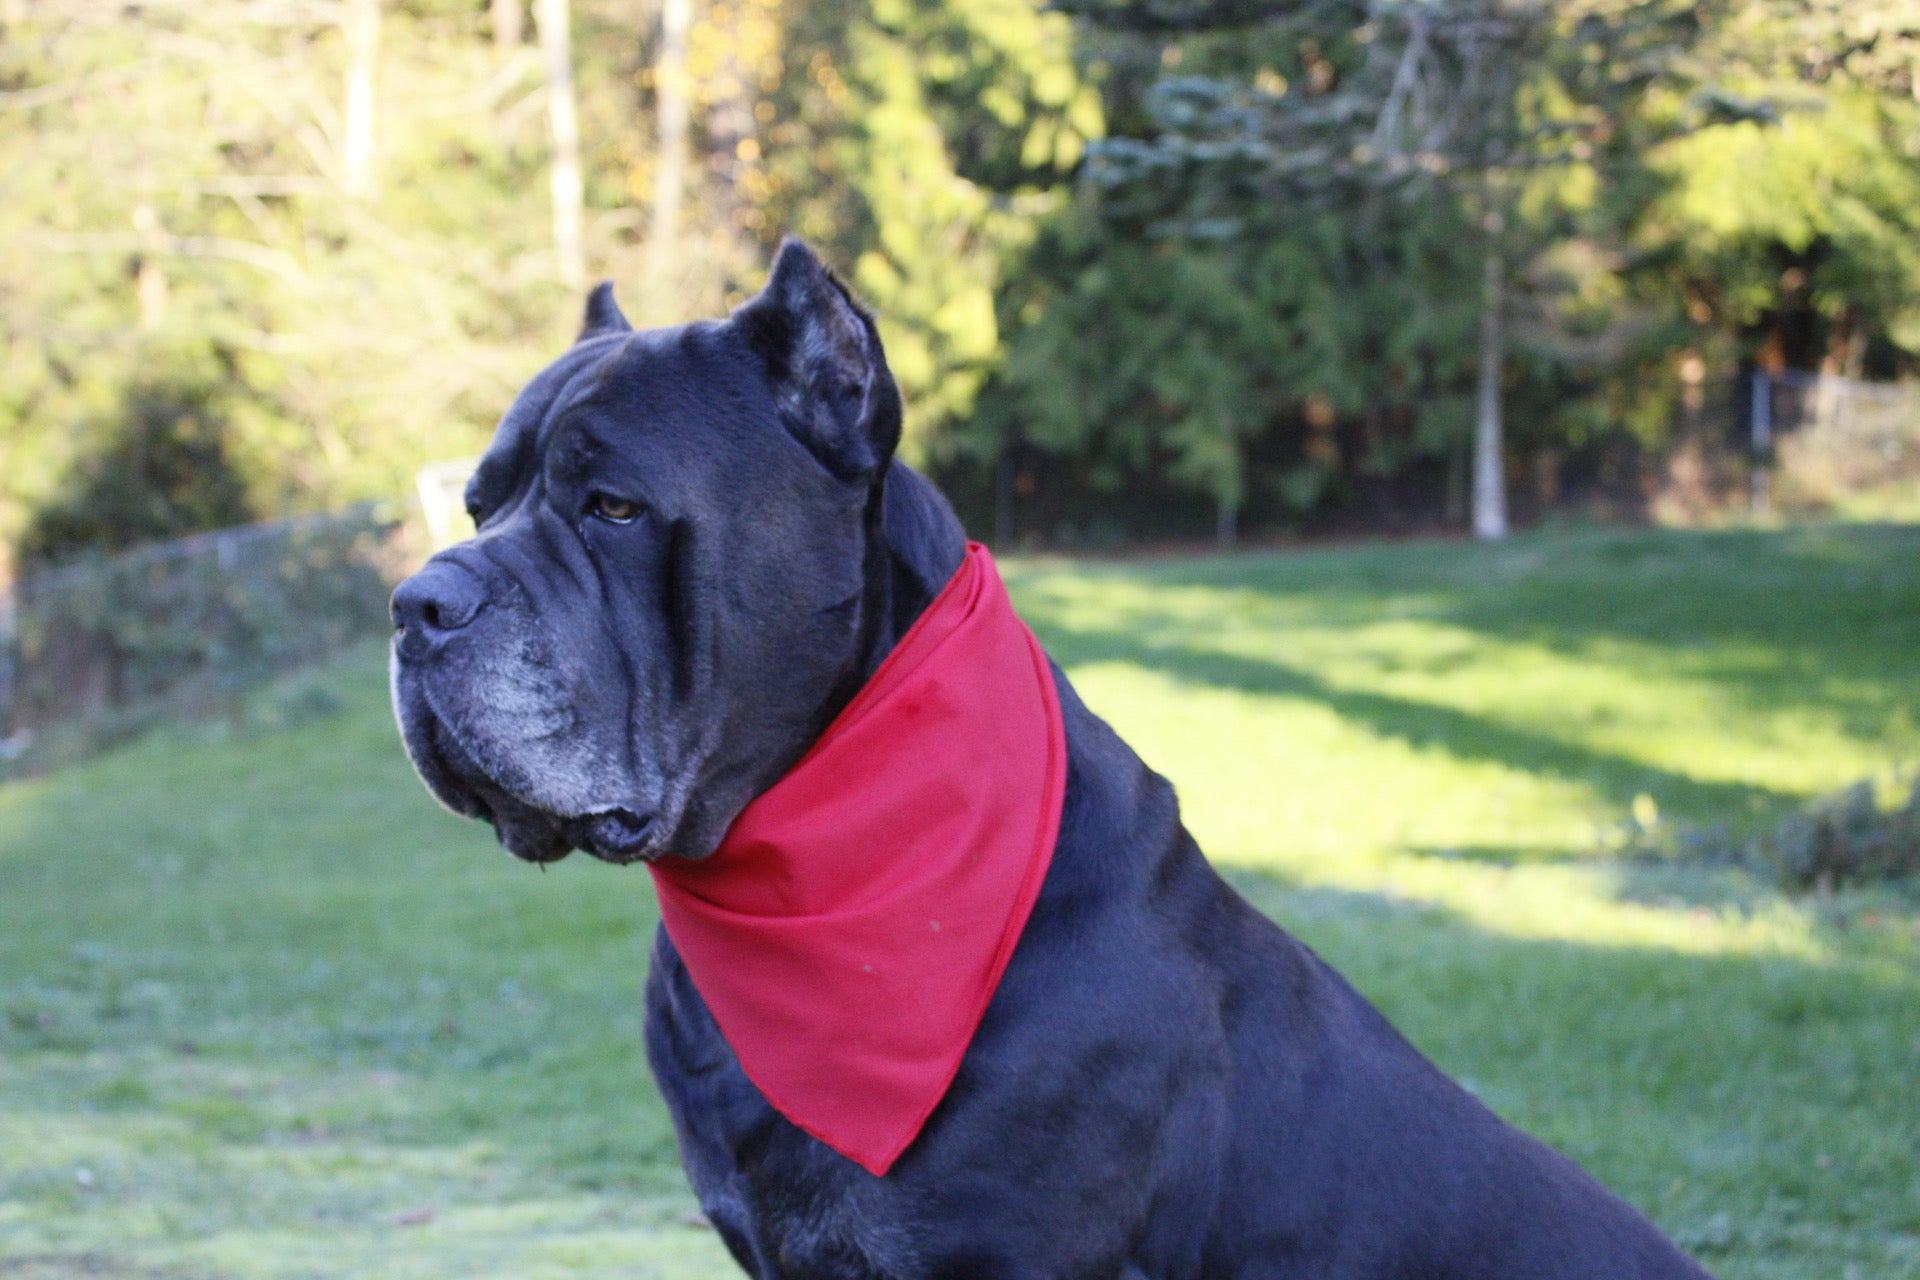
509	464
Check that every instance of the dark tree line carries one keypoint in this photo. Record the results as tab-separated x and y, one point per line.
1378	250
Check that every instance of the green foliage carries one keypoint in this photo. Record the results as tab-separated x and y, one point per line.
1829	199
1683	188
1843	840
1146	357
164	471
1228	365
179	201
176	212
919	142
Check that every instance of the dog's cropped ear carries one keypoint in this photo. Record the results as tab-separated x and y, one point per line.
603	314
828	373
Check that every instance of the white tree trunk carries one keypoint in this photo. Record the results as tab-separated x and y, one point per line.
1489	468
150	280
506	24
556	42
362	24
671	96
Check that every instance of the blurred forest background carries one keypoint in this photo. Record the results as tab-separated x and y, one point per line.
1147	269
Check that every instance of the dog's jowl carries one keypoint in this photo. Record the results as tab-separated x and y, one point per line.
944	988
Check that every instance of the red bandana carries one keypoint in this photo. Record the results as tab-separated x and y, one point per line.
852	926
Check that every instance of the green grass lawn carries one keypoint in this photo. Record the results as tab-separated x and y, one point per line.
265	1011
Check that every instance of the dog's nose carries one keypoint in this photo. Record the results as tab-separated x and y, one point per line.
440	598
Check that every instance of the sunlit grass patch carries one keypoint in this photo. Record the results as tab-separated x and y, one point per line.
1436	719
1745	667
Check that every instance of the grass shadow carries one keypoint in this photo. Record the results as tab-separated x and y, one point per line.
1420	724
1822	616
1498	855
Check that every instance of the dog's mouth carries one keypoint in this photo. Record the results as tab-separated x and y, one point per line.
618	835
614	833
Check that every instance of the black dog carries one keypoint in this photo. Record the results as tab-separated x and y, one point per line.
694	547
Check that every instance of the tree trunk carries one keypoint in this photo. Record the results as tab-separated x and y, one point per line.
506	24
1489	469
1004	468
362	23
1226	521
671	95
1229	491
563	118
150	280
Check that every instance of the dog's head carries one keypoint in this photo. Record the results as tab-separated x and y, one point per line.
673	585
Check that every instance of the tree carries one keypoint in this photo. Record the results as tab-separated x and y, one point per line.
1277	377
362	23
177	214
166	470
1402	100
178	174
1803	238
508	17
672	99
1224	346
921	143
554	21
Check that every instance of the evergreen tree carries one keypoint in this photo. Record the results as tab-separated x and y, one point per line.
1404	100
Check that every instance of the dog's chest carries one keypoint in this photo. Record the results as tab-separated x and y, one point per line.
1072	1117
784	1204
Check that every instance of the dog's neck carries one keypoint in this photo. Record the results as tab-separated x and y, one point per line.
914	545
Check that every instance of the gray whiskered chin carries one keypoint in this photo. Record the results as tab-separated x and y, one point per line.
530	828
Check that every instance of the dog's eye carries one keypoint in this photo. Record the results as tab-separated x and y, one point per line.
612	509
